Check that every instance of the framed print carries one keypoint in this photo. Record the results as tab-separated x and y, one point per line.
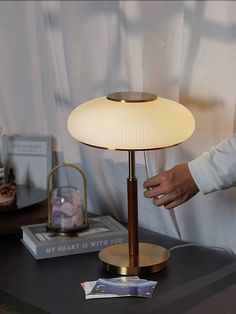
30	157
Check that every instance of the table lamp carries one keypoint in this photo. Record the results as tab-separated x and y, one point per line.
131	121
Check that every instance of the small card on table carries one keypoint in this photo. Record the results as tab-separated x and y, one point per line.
119	287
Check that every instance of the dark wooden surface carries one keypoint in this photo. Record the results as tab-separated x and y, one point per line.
196	280
31	209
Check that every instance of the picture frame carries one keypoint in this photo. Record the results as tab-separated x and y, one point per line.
30	157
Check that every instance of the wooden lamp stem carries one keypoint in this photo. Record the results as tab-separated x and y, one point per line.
132	211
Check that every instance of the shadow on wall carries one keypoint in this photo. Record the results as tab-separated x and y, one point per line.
209	113
195	20
199	27
211	117
86	13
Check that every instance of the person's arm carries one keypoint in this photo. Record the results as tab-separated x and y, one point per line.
212	171
216	169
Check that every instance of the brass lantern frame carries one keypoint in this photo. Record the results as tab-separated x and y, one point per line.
58	231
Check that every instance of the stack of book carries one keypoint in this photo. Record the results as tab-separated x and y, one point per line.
103	231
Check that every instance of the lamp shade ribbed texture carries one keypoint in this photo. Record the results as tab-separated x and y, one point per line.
105	123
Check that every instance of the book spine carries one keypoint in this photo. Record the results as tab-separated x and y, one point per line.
85	246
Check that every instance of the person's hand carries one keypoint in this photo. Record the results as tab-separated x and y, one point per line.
172	187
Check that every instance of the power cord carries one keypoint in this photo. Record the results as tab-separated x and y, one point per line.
203	246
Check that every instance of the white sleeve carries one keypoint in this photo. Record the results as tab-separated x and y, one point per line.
216	169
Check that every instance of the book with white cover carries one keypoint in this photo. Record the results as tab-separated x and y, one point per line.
103	231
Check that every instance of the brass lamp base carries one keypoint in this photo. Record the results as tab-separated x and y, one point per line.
116	259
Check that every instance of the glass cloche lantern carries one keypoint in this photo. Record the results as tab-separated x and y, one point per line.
67	209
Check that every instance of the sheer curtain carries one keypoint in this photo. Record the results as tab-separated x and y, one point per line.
56	55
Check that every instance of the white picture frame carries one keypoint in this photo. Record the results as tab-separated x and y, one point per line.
30	157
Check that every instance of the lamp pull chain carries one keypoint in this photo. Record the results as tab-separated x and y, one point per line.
145	162
171	212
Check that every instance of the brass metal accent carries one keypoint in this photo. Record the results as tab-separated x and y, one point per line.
49	192
152	258
126	149
132	97
132	164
